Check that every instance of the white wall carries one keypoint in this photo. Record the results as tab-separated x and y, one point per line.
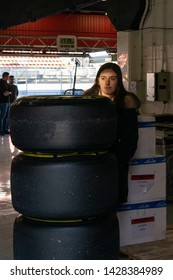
150	50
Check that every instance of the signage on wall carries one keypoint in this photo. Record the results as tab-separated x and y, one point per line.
66	43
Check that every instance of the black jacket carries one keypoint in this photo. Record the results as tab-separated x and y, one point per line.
4	86
125	146
127	136
14	93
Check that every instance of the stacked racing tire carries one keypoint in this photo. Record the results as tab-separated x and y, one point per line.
64	182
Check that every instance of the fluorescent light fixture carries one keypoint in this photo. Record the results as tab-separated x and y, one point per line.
99	54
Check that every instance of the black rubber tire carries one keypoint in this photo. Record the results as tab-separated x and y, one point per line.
97	239
66	187
62	123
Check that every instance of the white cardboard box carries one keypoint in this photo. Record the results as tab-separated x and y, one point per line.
142	222
147	137
147	179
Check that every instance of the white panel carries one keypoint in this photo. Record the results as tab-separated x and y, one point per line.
140	223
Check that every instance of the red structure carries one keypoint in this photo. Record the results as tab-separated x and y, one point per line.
92	31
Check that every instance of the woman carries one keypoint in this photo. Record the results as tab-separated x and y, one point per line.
109	83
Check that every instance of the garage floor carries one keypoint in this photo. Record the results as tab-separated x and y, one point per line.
7	213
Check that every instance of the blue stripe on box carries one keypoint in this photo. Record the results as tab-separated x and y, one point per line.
138	161
142	205
145	124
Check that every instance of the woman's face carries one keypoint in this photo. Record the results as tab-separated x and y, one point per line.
108	83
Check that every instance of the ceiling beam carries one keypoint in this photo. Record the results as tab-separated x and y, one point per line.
20	12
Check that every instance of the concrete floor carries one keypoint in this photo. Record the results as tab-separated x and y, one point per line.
7	213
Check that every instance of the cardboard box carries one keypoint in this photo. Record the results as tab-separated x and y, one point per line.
147	137
147	179
142	222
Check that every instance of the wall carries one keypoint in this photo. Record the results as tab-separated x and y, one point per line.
150	50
